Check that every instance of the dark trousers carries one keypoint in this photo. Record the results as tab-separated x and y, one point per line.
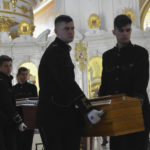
59	141
24	140
135	141
7	137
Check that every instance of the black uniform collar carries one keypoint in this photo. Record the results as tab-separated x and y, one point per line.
63	44
4	76
128	46
23	83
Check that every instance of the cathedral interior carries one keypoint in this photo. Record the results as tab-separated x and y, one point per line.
27	28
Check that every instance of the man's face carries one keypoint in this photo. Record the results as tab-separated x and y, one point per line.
23	76
123	35
65	31
6	67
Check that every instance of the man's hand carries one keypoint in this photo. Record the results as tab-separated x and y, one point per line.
17	118
22	127
94	116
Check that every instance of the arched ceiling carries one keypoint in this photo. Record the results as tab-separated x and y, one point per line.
45	9
143	12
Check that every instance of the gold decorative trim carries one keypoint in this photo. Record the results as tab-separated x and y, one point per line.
23	9
129	12
81	55
94	73
7	12
6	5
14	35
5	24
143	13
25	28
27	3
94	21
14	4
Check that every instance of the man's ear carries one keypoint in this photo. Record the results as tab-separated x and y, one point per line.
114	32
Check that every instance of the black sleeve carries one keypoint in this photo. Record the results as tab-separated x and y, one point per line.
141	75
6	101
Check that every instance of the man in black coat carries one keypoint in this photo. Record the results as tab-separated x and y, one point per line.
9	118
126	70
24	89
62	103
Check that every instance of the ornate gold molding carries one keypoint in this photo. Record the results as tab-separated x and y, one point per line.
94	21
94	73
5	23
14	35
81	55
6	5
143	13
25	28
141	2
23	9
14	4
19	14
27	3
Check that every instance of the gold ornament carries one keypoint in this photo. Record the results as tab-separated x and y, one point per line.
6	5
94	72
25	28
5	23
14	35
129	13
27	3
14	4
23	9
19	14
94	21
81	55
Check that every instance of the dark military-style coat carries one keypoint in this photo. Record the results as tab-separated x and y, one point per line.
126	70
7	101
24	90
59	90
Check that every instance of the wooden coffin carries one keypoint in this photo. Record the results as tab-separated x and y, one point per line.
29	115
123	115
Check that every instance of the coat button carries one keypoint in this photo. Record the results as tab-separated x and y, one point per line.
117	66
117	79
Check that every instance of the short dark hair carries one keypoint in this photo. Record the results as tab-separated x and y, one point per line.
121	21
22	69
4	58
62	18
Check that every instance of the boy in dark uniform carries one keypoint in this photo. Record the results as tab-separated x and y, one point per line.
62	103
24	89
126	70
9	118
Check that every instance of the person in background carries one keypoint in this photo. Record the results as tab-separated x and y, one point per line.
9	118
126	70
24	89
62	104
